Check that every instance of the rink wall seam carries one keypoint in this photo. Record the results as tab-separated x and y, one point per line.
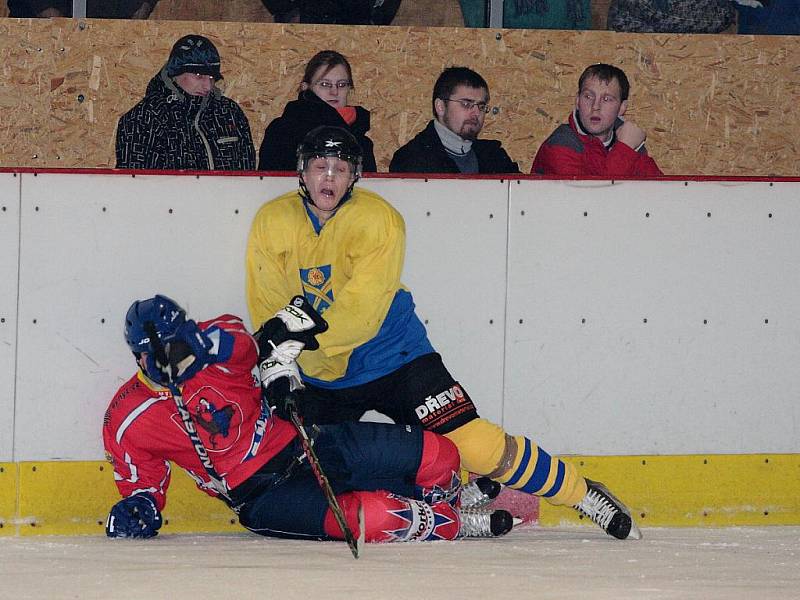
73	498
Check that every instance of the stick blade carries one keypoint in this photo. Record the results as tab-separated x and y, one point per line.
362	532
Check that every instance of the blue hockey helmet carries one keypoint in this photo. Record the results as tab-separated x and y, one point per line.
165	315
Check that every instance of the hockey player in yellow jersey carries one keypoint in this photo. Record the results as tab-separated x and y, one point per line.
343	248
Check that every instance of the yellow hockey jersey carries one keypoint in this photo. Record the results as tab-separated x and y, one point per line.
350	272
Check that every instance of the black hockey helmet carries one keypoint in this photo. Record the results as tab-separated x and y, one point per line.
329	141
326	141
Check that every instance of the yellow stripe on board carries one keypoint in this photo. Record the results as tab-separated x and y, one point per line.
718	490
663	491
8	498
73	498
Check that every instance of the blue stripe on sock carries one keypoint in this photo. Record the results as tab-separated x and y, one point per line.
526	458
540	472
559	480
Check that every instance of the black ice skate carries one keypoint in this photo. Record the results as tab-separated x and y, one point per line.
479	492
602	507
479	522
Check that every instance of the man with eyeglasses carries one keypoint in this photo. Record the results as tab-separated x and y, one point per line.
449	143
184	122
597	141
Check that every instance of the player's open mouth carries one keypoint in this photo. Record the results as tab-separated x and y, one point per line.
326	192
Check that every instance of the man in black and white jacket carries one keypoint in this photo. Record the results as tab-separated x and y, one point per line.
184	122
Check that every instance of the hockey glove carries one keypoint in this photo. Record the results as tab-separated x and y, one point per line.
134	517
290	331
188	352
281	385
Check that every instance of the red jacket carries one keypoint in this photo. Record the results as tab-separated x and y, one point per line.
570	151
142	430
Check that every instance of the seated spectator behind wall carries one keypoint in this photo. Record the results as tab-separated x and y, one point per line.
597	141
338	12
449	143
778	17
184	121
323	100
97	9
671	16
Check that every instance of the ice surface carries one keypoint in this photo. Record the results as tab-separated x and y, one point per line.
531	562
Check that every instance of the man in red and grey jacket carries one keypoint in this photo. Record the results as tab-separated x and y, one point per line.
597	141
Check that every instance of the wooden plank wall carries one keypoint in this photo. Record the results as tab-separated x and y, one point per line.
712	104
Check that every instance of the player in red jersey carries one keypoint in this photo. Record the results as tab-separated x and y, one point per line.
217	427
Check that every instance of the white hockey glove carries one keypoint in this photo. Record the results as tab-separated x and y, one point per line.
281	385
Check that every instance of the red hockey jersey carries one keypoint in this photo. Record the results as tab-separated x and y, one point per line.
142	430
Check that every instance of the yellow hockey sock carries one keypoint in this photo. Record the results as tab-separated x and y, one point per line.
517	462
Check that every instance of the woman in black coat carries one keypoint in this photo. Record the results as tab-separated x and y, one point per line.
324	91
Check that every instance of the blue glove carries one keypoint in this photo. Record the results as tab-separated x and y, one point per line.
187	352
136	517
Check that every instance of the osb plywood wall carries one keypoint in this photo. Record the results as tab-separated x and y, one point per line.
718	105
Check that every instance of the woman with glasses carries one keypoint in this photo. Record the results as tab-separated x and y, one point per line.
323	100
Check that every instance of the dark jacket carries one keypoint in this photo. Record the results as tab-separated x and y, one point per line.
278	150
169	129
426	154
98	9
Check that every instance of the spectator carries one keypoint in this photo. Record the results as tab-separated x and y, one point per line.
184	121
778	17
671	16
449	143
323	100
597	141
337	12
99	9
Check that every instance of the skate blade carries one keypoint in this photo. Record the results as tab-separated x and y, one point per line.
634	534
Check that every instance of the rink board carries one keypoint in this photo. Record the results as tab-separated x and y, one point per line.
623	321
654	317
185	237
9	260
8	498
662	491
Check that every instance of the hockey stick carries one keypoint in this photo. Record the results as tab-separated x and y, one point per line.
217	482
354	544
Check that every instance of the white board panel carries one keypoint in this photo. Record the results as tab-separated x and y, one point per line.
91	245
455	267
654	317
9	260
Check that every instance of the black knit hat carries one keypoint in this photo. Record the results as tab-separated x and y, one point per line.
194	54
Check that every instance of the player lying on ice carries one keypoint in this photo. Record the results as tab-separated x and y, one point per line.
343	247
196	400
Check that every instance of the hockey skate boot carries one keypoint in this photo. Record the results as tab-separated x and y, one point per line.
602	507
479	522
479	492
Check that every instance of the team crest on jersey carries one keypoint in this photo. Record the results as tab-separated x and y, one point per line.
318	287
218	419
